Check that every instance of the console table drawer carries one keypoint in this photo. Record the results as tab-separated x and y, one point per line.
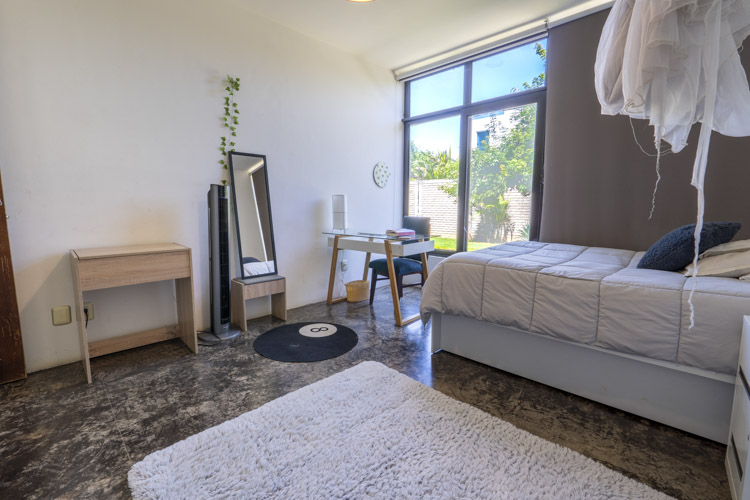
110	272
264	288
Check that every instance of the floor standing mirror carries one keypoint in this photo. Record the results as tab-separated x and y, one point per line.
252	215
254	236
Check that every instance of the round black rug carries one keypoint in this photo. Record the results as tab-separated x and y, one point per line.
306	342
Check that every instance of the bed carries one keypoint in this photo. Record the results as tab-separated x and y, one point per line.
586	320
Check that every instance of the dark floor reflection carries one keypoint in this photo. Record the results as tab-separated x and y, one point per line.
60	437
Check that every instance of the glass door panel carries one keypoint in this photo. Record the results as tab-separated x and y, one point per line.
433	177
501	165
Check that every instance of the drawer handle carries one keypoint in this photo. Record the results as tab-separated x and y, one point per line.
744	382
735	455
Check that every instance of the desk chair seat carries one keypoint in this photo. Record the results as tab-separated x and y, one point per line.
402	266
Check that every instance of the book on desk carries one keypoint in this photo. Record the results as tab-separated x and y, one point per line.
401	232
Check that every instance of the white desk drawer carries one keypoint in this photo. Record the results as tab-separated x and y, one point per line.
399	248
738	428
735	474
744	360
736	460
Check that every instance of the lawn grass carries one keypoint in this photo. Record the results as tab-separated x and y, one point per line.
450	244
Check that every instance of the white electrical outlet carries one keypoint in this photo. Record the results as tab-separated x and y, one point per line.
61	315
89	310
344	265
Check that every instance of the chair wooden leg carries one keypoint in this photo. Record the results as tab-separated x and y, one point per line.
372	286
400	285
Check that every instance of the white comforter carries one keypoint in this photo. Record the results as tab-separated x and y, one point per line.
594	296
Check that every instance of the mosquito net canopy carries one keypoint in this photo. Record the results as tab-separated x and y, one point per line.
675	63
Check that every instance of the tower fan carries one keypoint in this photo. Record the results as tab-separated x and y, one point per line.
218	256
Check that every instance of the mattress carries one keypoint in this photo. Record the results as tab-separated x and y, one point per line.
594	296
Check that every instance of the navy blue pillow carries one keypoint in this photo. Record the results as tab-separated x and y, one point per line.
675	250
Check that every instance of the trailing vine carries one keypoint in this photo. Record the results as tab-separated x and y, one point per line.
231	121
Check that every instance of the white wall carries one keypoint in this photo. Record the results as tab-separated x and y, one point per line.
109	129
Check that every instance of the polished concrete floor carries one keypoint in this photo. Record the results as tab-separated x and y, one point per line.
60	437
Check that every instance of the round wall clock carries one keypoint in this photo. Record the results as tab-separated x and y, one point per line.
380	174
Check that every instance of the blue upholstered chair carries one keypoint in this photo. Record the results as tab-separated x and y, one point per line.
403	266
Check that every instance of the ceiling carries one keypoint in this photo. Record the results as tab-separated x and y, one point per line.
395	33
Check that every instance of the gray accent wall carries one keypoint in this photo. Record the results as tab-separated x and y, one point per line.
598	183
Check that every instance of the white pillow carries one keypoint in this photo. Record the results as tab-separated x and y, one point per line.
732	246
728	265
745	277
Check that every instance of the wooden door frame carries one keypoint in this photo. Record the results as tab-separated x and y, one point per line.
12	363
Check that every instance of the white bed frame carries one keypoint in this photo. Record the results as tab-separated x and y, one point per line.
694	400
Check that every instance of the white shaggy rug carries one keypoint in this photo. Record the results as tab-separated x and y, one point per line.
370	432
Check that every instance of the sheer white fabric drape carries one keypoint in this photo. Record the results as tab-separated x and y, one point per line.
665	60
675	62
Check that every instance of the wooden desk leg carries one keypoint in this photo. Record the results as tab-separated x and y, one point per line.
423	257
334	258
425	272
185	315
278	305
394	288
410	320
367	264
83	337
392	279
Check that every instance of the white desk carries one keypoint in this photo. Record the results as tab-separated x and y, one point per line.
382	245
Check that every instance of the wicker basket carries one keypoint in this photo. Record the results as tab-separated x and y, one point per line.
357	291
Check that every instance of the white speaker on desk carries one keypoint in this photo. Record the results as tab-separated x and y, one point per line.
338	203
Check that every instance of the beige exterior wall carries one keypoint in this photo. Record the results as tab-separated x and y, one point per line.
427	199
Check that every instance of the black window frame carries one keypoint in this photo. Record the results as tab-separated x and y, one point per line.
465	111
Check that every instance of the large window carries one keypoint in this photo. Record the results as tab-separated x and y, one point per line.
474	137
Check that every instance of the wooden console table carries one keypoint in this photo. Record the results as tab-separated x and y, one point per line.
242	291
99	268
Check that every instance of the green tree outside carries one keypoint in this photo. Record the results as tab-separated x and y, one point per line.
426	165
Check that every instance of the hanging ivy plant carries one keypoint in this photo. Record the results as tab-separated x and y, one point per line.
230	121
